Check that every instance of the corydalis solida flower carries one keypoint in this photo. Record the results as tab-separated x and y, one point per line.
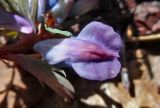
93	54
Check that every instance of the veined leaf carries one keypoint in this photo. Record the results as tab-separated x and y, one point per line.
44	73
33	9
24	8
5	5
13	4
64	82
25	11
55	69
20	6
57	31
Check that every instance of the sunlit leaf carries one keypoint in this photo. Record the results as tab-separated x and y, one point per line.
13	4
55	69
33	10
24	7
64	82
44	73
58	31
20	6
5	5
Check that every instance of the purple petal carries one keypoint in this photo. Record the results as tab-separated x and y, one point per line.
14	22
71	50
103	35
97	70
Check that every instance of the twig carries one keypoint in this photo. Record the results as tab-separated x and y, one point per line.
151	37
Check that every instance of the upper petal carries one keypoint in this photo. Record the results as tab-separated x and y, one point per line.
98	70
15	22
101	34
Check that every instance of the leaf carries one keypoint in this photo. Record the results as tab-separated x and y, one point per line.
64	82
5	5
13	4
20	6
33	10
24	7
57	31
55	69
43	72
25	11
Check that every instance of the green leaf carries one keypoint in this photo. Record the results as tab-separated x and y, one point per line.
20	6
58	31
5	5
44	73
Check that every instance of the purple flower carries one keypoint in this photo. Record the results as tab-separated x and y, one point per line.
15	22
93	54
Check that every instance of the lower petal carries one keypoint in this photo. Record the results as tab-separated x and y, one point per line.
97	70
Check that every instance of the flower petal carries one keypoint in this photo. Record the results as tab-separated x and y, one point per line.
46	47
14	22
71	50
102	34
97	70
